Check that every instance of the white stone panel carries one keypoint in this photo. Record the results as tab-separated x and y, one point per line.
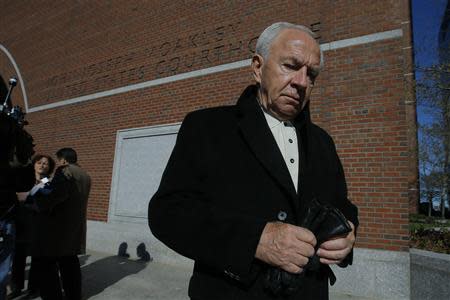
140	158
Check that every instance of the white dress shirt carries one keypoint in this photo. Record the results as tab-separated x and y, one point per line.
286	138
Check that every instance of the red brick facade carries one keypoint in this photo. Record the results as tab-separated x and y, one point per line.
363	97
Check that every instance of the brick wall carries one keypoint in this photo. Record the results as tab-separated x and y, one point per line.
363	97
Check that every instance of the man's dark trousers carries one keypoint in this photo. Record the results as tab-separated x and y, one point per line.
49	282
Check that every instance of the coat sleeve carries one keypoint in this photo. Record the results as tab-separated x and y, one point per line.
349	210
346	206
56	192
187	219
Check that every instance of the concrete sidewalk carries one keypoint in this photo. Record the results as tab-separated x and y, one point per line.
109	277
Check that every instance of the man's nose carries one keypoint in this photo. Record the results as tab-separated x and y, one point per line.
300	78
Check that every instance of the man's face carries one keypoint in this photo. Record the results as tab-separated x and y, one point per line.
287	77
61	162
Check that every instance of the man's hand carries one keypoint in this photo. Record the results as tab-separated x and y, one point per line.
22	196
286	246
335	250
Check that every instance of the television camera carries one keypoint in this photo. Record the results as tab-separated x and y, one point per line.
16	144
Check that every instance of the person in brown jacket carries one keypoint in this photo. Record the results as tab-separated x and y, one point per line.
70	266
67	157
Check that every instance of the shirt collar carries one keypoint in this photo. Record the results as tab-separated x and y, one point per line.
274	122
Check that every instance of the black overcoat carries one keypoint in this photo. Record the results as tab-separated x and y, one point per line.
225	179
57	221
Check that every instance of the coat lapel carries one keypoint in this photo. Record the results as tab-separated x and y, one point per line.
260	140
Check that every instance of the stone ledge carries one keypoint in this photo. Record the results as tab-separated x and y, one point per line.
430	275
376	274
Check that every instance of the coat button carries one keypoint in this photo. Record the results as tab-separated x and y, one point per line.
282	215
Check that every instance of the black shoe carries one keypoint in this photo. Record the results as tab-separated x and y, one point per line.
31	294
14	294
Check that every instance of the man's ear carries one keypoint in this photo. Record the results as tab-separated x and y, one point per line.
257	64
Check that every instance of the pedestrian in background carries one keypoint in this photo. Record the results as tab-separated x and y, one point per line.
43	166
60	228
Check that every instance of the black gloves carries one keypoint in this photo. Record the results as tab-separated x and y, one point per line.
325	222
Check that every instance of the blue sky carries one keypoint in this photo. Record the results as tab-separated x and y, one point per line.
426	18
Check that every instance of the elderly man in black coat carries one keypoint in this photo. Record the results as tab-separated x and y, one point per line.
241	178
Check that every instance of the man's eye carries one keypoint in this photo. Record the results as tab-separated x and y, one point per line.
290	66
312	75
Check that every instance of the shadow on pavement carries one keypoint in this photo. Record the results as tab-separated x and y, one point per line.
105	272
83	259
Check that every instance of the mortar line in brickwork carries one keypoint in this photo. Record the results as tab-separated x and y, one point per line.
365	39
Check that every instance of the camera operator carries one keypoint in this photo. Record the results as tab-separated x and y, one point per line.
16	149
13	179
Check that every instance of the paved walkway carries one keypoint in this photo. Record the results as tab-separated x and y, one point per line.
108	277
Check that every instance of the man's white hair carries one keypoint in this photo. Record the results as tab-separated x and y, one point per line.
270	33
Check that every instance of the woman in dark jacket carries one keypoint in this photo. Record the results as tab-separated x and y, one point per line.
56	232
43	166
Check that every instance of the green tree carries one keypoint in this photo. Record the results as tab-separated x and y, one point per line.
434	136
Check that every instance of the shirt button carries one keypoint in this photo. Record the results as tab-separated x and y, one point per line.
292	160
290	141
282	215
